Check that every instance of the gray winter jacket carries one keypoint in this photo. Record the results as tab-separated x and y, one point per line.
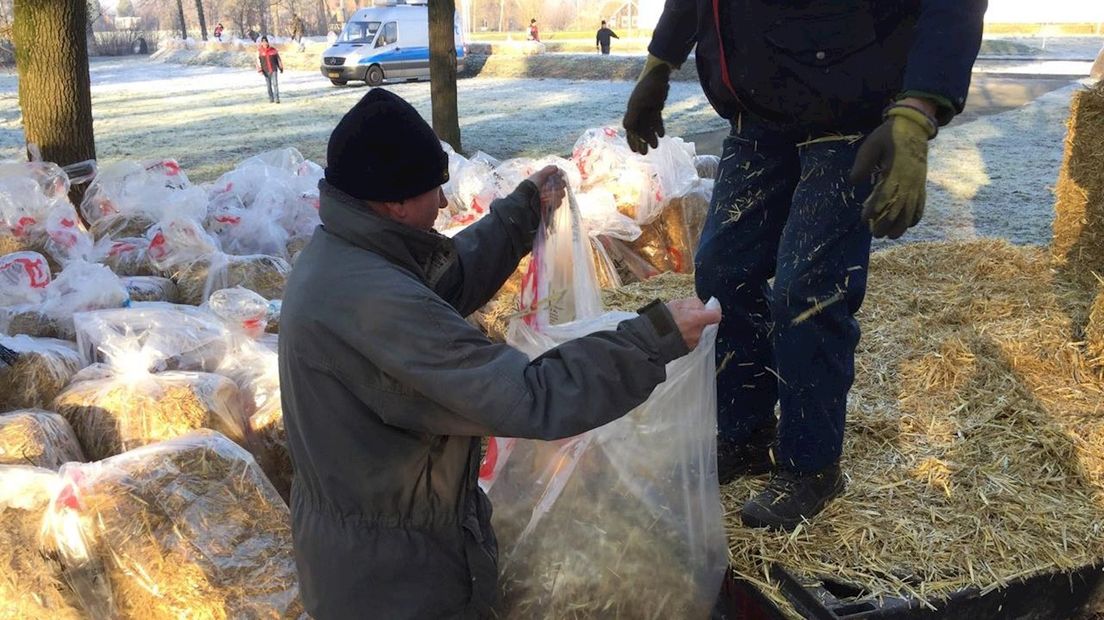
387	389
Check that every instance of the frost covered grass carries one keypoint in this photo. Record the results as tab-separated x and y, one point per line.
209	118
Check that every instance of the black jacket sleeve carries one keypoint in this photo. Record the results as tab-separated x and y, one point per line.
948	37
676	31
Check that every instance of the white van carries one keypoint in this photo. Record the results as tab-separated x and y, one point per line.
385	43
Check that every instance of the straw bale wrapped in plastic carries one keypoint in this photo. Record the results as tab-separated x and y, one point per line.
151	288
243	311
31	220
32	579
153	337
275	307
80	287
43	367
126	256
296	245
128	197
623	521
188	528
182	249
24	277
37	437
255	368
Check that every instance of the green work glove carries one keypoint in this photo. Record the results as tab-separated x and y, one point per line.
896	153
644	113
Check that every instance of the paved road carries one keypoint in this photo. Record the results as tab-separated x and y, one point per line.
989	94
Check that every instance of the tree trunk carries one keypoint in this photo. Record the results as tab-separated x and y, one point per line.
442	71
180	12
202	19
51	55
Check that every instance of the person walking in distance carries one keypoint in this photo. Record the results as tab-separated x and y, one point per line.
218	32
534	32
268	63
602	39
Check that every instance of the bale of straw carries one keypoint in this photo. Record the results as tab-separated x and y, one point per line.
273	455
295	245
190	528
30	322
33	242
43	369
264	275
151	288
37	437
494	317
121	226
32	581
113	414
128	257
972	449
1078	242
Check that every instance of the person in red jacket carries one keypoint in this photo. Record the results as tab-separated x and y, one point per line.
534	32
268	63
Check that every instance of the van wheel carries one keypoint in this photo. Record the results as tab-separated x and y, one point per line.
339	82
374	76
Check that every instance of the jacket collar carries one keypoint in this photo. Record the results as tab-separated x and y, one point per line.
427	254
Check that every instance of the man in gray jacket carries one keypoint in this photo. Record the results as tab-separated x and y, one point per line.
387	389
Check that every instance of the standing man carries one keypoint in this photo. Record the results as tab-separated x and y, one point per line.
602	40
387	389
832	104
297	28
268	63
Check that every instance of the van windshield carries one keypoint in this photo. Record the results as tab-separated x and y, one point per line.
359	32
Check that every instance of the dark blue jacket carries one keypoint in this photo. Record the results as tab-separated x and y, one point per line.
828	65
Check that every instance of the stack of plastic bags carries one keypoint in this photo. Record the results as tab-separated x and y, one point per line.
36	215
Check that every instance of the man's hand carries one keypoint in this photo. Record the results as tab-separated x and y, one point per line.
896	154
691	316
553	187
644	113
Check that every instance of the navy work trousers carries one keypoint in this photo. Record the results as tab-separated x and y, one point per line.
783	208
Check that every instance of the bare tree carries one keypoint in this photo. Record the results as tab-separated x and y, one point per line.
442	71
183	26
202	19
54	85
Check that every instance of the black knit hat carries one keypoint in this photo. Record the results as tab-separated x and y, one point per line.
382	150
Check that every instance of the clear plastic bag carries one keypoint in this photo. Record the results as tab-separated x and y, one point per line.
32	581
561	284
126	256
79	287
33	220
112	413
24	278
37	437
127	197
622	521
188	527
152	337
42	369
151	288
707	166
243	311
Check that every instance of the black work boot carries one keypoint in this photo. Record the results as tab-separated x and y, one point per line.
791	497
750	458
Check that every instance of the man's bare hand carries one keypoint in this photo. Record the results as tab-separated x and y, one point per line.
553	186
691	316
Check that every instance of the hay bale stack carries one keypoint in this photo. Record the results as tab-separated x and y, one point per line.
264	275
189	528
1078	243
43	369
116	413
972	446
32	583
37	437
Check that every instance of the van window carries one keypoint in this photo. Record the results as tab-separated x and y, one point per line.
359	32
389	35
